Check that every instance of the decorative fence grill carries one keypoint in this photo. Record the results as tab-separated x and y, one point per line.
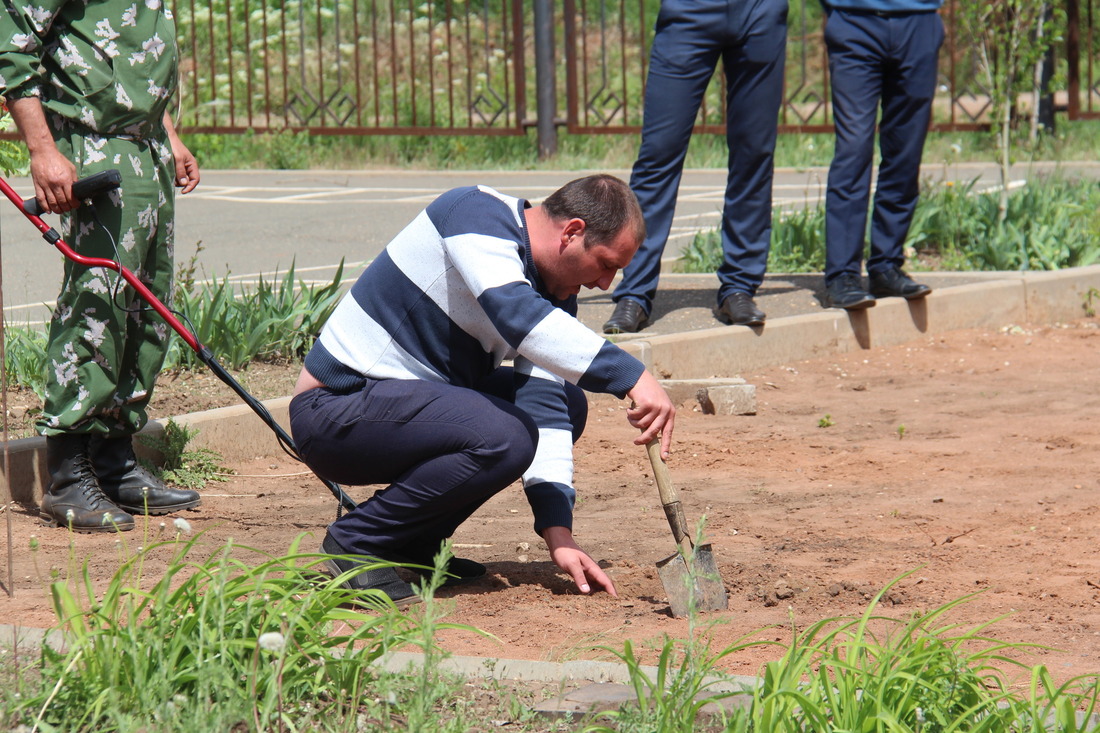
606	51
466	66
352	66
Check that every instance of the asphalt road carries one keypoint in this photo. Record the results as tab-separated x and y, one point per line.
259	222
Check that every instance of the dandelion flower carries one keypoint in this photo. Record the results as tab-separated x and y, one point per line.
182	525
272	641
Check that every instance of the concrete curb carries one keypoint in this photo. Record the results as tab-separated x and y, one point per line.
722	353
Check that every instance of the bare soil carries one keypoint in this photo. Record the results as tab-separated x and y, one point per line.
971	459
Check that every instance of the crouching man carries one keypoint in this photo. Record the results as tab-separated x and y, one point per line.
406	387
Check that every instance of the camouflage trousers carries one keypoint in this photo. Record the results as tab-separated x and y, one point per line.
106	346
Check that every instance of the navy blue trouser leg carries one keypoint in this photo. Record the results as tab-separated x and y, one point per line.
442	450
875	60
906	111
692	35
754	92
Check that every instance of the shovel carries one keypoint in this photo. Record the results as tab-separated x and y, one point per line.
696	586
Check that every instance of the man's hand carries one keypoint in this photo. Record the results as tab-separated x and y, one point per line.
572	559
187	168
52	173
652	412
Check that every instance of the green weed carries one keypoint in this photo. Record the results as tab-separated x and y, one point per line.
238	640
826	421
1051	224
917	674
191	468
25	358
276	320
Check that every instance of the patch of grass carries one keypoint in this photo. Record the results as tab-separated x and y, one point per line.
1089	304
276	320
1074	141
190	468
238	640
920	674
1051	224
25	358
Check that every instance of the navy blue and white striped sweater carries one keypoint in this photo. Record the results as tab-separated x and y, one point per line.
451	297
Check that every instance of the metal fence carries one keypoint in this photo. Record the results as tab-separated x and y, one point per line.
606	51
450	67
352	66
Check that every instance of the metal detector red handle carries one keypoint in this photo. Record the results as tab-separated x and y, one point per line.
85	188
99	182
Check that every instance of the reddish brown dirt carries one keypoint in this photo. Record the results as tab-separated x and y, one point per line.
971	459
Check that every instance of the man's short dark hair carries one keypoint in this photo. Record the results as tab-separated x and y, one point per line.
604	203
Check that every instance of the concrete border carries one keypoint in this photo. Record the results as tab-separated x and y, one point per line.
724	352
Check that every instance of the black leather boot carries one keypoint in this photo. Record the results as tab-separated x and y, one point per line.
75	499
128	484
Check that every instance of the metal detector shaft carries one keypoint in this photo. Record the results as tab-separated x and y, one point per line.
50	235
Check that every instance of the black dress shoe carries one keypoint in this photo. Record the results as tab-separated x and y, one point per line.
738	309
847	292
893	283
370	577
629	317
459	570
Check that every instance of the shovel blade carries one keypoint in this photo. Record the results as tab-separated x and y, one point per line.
701	585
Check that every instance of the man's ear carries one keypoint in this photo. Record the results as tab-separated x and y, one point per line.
573	228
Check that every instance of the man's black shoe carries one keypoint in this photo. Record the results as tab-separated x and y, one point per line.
893	283
629	317
383	579
847	292
738	309
459	570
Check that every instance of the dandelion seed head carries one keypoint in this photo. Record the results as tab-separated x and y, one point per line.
272	641
182	525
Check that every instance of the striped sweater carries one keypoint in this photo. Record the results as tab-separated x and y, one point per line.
451	297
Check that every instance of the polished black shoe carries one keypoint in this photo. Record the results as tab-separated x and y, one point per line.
129	485
74	498
738	309
847	292
629	317
893	283
385	580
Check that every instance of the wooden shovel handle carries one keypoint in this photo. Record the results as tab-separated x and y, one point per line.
670	497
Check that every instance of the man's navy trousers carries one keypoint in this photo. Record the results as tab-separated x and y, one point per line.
749	36
443	451
873	58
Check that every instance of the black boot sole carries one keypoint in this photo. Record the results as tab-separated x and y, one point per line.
156	511
49	521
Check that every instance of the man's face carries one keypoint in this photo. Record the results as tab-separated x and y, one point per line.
592	267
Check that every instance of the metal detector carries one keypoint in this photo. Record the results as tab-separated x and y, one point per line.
89	188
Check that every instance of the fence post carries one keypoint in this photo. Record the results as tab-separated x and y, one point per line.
546	109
